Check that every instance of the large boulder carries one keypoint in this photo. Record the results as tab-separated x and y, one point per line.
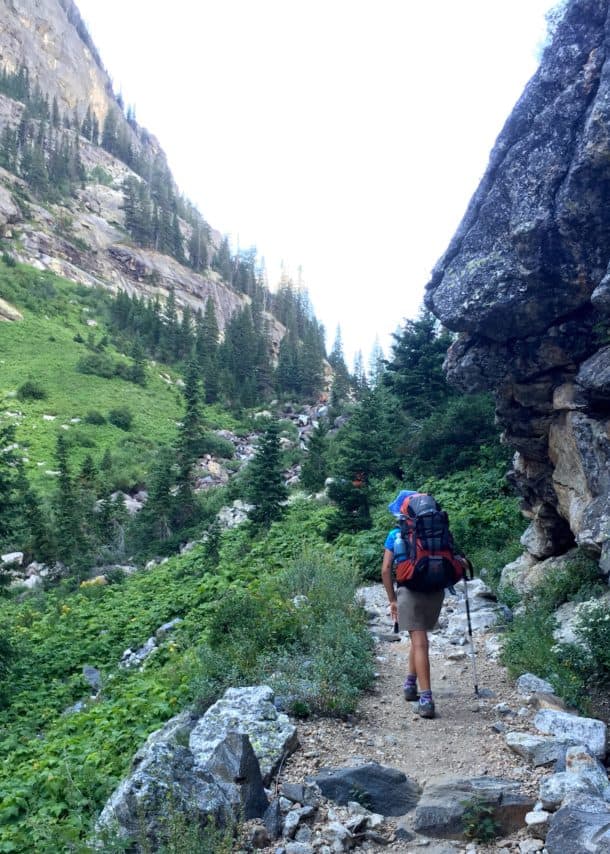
383	790
440	811
197	769
249	711
526	284
583	825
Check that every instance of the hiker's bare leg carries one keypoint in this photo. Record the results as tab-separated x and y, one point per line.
419	662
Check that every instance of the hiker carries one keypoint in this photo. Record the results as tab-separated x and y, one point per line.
414	611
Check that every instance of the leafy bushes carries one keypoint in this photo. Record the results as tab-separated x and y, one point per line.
94	417
531	646
301	632
121	417
31	390
101	364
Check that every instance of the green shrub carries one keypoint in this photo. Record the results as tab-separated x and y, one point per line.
578	580
530	645
99	175
99	364
594	629
31	390
121	417
94	416
8	259
215	445
479	822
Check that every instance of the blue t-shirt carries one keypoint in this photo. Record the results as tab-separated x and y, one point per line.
389	540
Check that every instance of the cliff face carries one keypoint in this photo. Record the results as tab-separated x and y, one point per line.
50	37
526	283
84	238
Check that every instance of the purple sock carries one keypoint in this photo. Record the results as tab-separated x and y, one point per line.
411	680
425	696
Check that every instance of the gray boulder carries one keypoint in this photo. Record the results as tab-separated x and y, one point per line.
577	730
580	827
440	811
199	769
535	749
249	711
378	788
530	684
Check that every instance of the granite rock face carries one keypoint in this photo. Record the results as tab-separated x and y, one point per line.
526	283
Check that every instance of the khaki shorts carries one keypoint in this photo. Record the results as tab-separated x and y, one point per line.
418	611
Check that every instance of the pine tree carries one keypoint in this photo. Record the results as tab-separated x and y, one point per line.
314	470
341	381
415	373
67	512
189	443
55	117
265	484
109	132
10	466
364	455
360	383
206	349
222	262
154	522
376	364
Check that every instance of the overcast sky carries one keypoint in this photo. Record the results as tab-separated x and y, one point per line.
342	136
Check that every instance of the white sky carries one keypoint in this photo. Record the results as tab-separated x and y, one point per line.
343	136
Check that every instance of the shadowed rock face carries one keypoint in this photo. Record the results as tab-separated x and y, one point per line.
526	283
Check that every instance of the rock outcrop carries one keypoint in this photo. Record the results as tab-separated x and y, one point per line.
69	67
526	283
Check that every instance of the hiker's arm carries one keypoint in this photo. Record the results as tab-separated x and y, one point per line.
386	577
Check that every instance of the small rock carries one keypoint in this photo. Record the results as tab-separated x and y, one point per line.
259	837
537	823
528	684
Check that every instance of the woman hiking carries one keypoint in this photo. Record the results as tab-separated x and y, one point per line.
415	612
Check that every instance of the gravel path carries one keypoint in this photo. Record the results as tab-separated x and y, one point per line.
460	741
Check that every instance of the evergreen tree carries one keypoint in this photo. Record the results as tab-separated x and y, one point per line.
364	454
110	131
376	364
314	470
189	443
10	466
40	543
222	262
138	369
154	522
206	349
55	117
341	380
68	518
265	484
415	373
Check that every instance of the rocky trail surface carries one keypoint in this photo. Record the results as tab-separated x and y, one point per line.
465	741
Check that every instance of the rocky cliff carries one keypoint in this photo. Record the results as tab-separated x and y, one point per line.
84	238
526	284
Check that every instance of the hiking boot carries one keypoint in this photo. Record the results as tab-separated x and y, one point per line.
425	708
410	692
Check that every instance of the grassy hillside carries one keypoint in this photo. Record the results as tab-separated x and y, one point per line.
62	325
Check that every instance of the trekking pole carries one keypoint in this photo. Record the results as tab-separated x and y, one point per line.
472	654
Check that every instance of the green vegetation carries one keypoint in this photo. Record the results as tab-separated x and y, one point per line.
270	601
572	669
479	822
60	767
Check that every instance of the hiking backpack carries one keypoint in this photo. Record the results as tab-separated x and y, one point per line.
428	561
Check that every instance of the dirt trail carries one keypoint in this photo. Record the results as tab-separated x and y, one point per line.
460	741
